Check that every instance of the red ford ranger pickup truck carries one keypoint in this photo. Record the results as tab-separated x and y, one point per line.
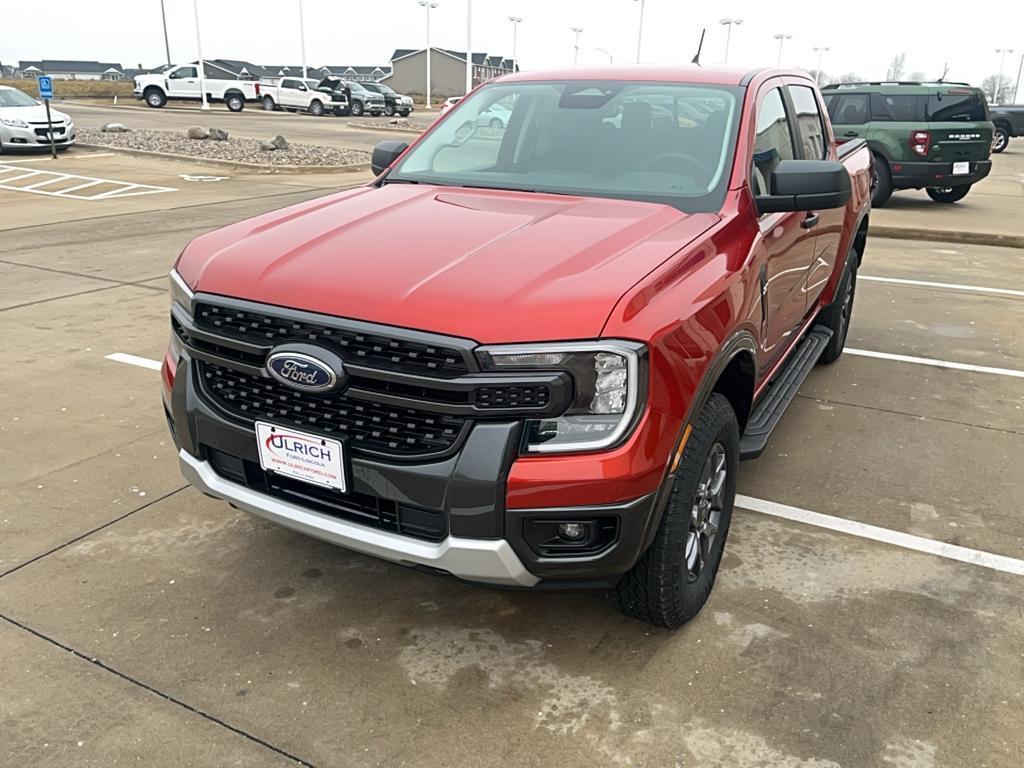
530	355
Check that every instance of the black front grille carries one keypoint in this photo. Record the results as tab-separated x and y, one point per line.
363	508
513	396
369	349
368	427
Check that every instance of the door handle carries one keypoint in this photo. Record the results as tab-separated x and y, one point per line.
810	221
852	134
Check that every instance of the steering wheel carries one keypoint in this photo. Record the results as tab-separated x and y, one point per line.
667	157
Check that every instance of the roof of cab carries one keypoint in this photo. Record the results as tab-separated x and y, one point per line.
678	73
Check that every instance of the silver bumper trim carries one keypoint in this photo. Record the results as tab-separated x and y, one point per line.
490	561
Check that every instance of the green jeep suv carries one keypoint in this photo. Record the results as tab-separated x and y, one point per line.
935	136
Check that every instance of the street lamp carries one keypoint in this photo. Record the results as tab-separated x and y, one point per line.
729	24
516	21
781	37
202	64
302	40
602	50
167	43
820	50
999	82
639	32
428	4
576	45
469	45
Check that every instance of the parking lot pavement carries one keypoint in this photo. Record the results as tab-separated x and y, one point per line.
141	621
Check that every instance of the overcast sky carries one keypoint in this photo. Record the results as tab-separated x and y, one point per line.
869	34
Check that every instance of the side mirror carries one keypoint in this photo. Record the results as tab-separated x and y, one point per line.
303	87
805	185
384	154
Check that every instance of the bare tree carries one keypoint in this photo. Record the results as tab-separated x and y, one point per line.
917	76
896	67
995	88
849	77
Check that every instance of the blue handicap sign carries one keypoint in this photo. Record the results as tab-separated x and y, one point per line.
45	87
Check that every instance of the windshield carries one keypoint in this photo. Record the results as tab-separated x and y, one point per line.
381	88
14	98
661	142
311	84
357	88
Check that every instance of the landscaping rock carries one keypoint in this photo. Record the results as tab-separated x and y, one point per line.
115	128
267	146
279	142
216	134
195	132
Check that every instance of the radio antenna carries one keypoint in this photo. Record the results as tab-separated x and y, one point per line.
700	45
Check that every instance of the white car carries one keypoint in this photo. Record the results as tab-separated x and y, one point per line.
450	102
23	123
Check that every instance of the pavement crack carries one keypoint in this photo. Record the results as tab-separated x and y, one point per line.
64	296
894	412
61	271
88	533
157	692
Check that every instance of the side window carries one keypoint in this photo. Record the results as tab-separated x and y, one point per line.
774	140
897	109
849	109
808	122
286	83
184	72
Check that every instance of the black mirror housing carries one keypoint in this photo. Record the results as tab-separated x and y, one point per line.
384	154
806	185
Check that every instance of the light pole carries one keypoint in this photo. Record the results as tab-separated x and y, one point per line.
999	81
428	4
167	44
302	39
202	64
781	37
576	45
729	24
602	50
820	50
516	21
469	45
639	32
1016	88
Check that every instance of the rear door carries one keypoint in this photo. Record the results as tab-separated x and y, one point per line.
848	113
290	94
960	129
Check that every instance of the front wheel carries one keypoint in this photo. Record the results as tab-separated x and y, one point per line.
155	98
357	108
496	124
836	316
235	102
948	194
1000	139
672	580
316	108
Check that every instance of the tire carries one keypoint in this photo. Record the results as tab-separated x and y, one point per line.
316	108
882	190
235	102
1000	139
670	582
268	103
357	108
389	110
948	194
154	97
404	113
836	316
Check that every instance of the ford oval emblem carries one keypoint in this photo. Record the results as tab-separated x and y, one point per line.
306	372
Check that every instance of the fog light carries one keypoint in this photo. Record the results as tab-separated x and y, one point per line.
572	531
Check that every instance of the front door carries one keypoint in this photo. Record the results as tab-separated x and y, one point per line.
183	82
787	238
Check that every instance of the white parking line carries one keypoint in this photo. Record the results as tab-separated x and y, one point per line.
944	286
141	362
43	178
936	363
884	535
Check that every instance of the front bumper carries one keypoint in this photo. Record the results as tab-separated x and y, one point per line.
31	138
923	175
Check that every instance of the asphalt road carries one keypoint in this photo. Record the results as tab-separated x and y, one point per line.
252	122
142	623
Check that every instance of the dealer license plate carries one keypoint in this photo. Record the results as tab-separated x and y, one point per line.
959	169
302	456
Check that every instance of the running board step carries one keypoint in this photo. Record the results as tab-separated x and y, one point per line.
781	392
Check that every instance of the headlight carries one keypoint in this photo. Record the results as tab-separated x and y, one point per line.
13	123
181	294
609	386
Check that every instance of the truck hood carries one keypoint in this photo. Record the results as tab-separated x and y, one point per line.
493	266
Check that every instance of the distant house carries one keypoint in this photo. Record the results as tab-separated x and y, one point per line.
447	70
7	71
60	69
358	74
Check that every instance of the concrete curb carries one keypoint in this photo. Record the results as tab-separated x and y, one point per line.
355	168
415	131
946	236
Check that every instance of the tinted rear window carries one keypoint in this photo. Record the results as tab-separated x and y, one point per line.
899	108
957	107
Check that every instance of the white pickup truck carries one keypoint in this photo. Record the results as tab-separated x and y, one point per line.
182	82
294	93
